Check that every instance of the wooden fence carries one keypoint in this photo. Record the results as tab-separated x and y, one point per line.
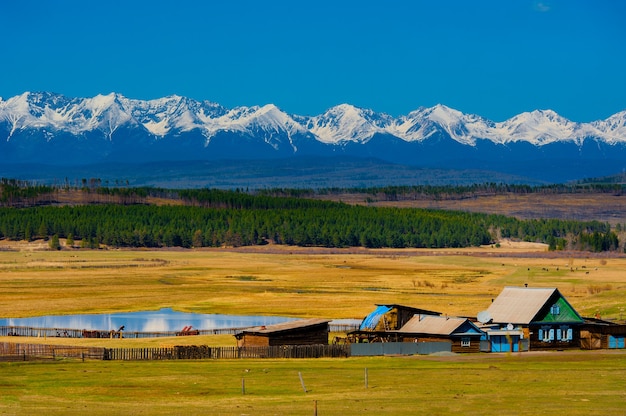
26	352
27	331
199	352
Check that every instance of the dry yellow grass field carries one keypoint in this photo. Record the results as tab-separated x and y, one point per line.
289	281
292	281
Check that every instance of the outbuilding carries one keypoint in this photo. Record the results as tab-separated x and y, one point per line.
462	333
382	323
596	333
300	332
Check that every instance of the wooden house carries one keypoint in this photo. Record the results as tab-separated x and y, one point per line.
378	325
463	334
523	318
301	332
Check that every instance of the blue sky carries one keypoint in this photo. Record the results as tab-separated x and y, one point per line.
492	58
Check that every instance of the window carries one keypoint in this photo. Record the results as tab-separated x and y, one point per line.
555	309
465	342
564	333
546	334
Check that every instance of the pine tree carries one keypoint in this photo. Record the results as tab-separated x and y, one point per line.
54	243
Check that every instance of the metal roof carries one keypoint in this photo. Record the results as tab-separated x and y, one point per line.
370	322
519	305
409	308
435	325
286	326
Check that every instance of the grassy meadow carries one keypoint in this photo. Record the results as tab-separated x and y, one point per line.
306	283
579	383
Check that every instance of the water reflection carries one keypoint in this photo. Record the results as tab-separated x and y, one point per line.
152	321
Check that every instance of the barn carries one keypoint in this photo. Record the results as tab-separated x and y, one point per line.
463	334
523	318
300	332
379	323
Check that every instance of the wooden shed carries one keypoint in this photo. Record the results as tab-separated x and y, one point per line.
301	332
462	333
596	333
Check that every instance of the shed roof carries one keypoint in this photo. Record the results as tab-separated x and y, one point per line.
409	309
371	320
437	325
286	326
520	305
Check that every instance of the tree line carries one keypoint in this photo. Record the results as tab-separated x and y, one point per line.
20	192
15	192
402	193
212	218
239	219
24	193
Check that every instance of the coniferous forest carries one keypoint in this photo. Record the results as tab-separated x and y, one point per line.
214	218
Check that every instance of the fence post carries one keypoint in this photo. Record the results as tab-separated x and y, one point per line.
302	381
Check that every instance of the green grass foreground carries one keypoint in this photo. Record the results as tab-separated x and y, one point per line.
571	383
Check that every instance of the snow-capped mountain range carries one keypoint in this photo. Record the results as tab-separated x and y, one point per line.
52	128
104	114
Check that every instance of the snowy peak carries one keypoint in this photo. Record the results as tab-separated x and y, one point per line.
424	122
537	127
457	125
275	127
613	128
173	114
271	118
102	112
346	123
57	113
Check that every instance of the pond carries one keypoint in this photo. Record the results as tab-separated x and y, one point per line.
150	321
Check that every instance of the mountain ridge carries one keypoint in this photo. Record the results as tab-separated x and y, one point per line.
339	124
44	127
